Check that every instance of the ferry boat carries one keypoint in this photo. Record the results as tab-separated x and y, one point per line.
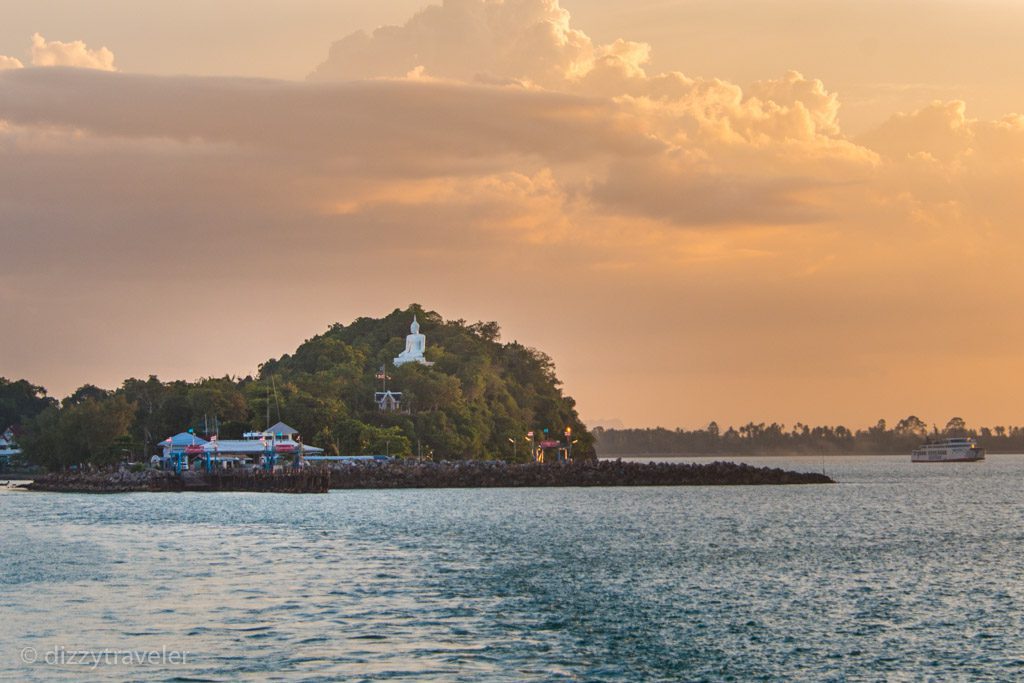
949	450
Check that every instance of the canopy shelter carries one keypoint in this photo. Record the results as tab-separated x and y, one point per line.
281	429
181	441
177	448
278	441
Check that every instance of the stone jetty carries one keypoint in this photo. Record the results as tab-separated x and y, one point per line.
492	474
429	475
304	481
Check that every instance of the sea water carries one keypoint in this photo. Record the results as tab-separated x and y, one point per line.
900	571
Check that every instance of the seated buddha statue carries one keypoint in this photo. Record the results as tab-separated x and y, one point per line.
415	343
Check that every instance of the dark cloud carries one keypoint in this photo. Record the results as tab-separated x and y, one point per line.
690	197
369	119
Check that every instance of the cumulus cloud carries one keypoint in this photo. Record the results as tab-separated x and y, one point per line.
815	109
533	43
10	63
76	53
940	130
465	39
716	137
958	176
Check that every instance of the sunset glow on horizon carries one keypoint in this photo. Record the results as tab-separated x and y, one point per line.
734	211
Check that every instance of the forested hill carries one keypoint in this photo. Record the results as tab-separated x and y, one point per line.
761	438
478	394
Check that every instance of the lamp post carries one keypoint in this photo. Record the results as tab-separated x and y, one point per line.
268	453
568	443
513	442
207	451
533	447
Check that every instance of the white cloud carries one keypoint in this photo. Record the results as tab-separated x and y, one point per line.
464	39
10	63
76	54
533	43
717	137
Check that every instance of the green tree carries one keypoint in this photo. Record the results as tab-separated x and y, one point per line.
85	393
912	426
93	430
21	400
955	427
93	427
42	441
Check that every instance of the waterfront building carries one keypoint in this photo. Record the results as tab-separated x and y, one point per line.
9	451
177	451
266	446
415	345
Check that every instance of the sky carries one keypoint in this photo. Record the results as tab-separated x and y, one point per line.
735	210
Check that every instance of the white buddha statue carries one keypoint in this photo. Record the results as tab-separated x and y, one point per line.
415	343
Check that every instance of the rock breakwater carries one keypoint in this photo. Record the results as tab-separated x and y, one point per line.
489	474
423	475
305	481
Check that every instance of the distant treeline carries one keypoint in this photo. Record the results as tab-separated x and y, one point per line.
757	438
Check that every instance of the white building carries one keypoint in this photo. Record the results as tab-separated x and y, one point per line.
388	401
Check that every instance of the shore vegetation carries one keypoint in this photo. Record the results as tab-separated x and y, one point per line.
766	439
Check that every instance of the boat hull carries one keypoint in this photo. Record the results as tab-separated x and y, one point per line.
948	457
948	460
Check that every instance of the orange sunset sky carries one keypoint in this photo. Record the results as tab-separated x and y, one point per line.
729	210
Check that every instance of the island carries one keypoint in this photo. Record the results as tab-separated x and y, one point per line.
369	404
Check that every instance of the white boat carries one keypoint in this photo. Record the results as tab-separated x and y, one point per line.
949	450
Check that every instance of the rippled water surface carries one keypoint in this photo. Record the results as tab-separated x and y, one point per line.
899	572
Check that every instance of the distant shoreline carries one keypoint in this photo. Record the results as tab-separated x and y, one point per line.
771	455
742	455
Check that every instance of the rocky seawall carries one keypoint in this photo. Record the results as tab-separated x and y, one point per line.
490	474
306	481
100	482
428	475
